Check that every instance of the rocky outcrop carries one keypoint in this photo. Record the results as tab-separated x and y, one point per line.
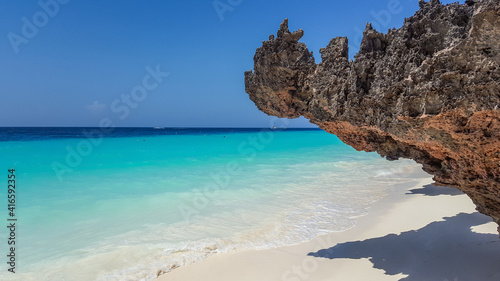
429	91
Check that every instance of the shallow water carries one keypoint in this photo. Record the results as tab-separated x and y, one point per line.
141	201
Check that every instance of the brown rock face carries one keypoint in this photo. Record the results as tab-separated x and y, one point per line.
429	91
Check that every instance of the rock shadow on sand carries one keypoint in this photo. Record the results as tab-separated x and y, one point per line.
434	190
444	250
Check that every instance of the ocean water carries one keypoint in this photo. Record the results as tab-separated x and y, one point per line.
135	202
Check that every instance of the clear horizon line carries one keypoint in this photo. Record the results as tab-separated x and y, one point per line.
142	127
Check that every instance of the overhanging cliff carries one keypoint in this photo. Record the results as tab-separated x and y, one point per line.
429	91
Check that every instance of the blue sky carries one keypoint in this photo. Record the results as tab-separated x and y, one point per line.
72	62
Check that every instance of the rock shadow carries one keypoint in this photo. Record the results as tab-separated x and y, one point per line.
444	250
434	190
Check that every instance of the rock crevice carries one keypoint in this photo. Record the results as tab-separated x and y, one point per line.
429	91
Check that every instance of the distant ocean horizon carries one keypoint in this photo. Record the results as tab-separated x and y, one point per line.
36	133
130	203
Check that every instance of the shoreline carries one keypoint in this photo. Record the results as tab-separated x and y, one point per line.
410	233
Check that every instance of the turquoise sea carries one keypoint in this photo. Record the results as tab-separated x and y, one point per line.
130	203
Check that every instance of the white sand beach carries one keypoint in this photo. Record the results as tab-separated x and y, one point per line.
417	232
